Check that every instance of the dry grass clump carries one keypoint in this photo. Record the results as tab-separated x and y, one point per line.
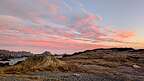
40	63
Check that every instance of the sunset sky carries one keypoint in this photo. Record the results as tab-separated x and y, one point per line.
67	26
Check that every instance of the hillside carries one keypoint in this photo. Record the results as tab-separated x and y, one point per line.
40	62
12	54
120	62
115	54
113	64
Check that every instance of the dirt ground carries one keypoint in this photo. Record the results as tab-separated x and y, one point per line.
59	76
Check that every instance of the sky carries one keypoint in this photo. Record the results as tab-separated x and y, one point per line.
68	26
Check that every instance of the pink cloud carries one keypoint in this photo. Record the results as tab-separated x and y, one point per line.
88	27
2	28
44	1
86	20
68	44
32	31
39	20
53	8
125	34
44	26
62	18
95	28
100	18
118	35
57	38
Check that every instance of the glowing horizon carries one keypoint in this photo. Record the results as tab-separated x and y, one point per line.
67	26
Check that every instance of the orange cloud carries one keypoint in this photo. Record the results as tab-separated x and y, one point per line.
125	34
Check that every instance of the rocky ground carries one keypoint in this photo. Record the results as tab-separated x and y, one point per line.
59	76
116	64
120	62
